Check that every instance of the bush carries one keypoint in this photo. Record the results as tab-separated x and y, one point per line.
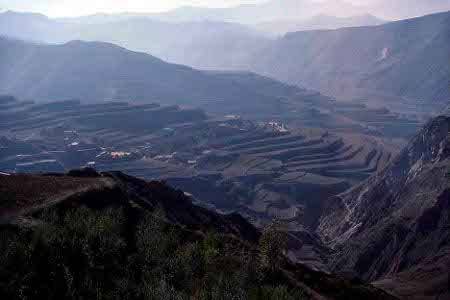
87	254
273	245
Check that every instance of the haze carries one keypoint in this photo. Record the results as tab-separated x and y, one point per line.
69	8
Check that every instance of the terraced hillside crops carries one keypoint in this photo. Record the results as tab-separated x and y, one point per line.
67	135
275	169
260	168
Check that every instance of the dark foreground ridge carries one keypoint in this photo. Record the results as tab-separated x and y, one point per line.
112	236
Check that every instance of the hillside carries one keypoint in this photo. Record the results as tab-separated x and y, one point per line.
257	167
95	72
399	62
393	228
131	238
261	168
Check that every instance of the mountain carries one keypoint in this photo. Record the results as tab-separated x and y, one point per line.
319	22
287	10
399	62
99	18
32	27
244	14
95	72
401	65
200	44
393	228
112	234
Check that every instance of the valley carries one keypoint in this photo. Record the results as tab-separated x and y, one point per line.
275	150
312	179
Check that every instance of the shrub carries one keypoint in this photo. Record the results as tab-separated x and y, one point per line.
88	254
273	245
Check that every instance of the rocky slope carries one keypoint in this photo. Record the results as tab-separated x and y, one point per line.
24	198
394	227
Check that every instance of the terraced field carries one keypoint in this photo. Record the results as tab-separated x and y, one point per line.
260	168
264	173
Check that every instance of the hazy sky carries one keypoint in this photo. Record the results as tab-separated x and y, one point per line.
83	7
59	8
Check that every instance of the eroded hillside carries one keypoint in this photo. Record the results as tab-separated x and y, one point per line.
396	223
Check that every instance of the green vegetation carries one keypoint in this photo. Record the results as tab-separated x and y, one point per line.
273	245
116	254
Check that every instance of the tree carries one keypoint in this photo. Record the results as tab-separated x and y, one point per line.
273	245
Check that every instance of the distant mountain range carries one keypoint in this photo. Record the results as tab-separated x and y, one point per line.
404	61
318	22
244	14
95	72
275	10
393	228
200	44
402	65
203	44
402	9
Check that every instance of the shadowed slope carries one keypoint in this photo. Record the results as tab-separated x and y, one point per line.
188	224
